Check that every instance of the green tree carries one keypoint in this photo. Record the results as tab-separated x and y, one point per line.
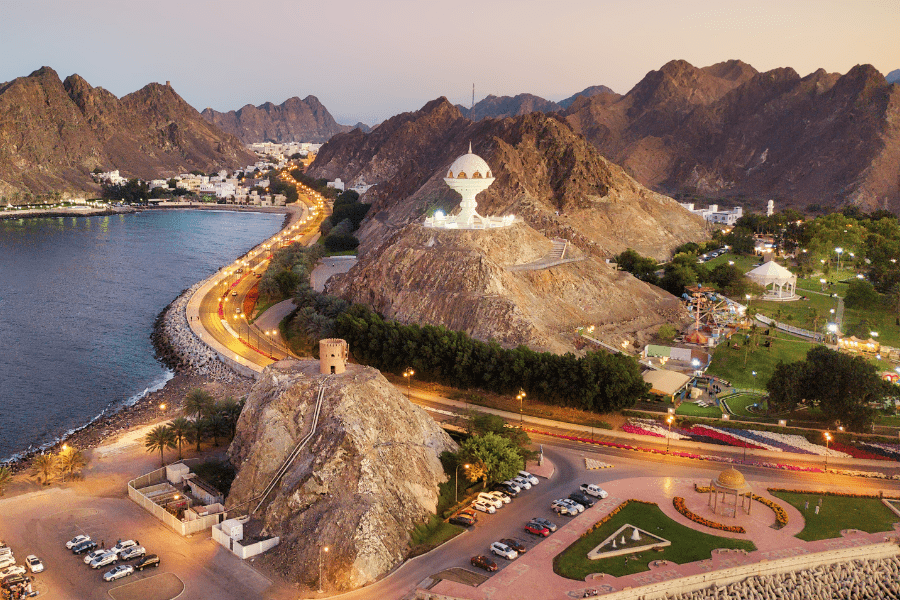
677	277
181	432
494	458
159	438
71	461
198	403
5	476
641	267
197	430
666	333
217	425
785	386
860	294
44	467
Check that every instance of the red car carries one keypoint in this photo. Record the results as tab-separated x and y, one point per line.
483	562
535	529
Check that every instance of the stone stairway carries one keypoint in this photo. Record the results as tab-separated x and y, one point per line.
555	257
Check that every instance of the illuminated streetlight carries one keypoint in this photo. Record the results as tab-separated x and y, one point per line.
456	483
839	252
408	373
520	397
668	433
827	441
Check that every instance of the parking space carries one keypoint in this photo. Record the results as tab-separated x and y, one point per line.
164	586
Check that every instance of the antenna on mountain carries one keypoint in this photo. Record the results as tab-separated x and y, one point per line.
473	96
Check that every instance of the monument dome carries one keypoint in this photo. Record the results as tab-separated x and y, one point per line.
469	166
731	478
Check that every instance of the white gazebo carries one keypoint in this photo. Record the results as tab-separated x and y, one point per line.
783	283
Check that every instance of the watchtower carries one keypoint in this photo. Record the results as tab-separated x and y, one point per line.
333	354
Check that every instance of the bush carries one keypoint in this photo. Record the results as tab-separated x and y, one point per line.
341	242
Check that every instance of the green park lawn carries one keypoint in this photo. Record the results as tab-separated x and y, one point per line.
731	364
799	313
744	263
838	513
689	409
738	405
688	545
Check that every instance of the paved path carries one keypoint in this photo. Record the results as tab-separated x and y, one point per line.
327	268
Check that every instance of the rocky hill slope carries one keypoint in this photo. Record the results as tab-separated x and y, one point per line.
369	474
545	173
294	120
461	280
499	107
728	130
54	133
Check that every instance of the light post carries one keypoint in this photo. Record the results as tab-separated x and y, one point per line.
456	484
408	373
748	298
839	252
669	432
520	397
322	549
822	281
827	441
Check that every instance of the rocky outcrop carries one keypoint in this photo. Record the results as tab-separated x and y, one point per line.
368	475
294	120
500	107
461	280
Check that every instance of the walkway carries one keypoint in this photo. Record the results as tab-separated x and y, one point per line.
327	268
555	257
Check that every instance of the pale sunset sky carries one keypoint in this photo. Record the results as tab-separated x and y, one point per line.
368	60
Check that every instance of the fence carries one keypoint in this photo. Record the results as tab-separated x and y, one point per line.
157	480
235	547
790	328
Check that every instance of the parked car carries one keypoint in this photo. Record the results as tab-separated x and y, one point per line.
509	490
132	552
151	560
77	540
109	558
536	529
84	547
484	507
513	485
573	504
501	549
234	293
34	563
462	520
500	496
483	562
488	499
13	580
545	522
12	570
5	550
7	561
514	544
562	508
95	554
468	512
118	572
594	490
529	477
522	483
581	499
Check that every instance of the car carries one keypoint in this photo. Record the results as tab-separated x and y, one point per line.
84	547
110	558
529	477
97	553
132	552
34	563
118	572
594	490
513	485
536	529
501	549
483	562
546	523
483	507
522	483
581	499
514	544
4	550
500	496
234	293
461	520
12	570
561	508
77	540
7	561
241	270
151	560
468	512
578	507
511	491
13	580
488	499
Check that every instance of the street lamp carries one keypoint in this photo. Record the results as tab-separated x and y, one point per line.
827	441
408	373
669	421
456	483
321	550
839	252
520	397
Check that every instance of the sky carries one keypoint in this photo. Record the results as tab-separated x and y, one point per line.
367	60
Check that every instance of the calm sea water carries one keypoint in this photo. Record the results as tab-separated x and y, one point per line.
78	297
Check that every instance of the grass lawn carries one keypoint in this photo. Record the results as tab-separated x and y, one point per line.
738	405
877	318
744	263
432	534
728	363
687	546
890	420
837	513
798	313
689	409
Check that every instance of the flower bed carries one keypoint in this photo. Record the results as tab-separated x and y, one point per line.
781	518
613	513
858	452
891	451
829	493
800	444
678	502
729	439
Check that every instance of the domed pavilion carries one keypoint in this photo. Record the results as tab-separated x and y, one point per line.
730	484
469	175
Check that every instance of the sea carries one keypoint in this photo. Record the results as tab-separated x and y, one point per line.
78	299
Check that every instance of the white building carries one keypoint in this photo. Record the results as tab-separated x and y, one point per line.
111	177
336	184
714	215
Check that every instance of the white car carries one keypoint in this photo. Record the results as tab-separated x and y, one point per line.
121	545
501	549
484	507
7	560
522	483
513	484
594	490
501	496
34	563
573	504
12	570
489	499
118	572
561	508
5	550
132	552
529	477
77	540
107	559
95	554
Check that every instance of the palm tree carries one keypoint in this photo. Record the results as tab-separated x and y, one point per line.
44	467
181	431
159	438
218	426
231	410
198	428
5	476
814	317
71	461
198	403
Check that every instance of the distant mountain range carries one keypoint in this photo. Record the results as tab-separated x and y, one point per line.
54	133
893	76
512	106
294	120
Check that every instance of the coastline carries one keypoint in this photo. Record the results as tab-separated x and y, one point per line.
190	362
69	211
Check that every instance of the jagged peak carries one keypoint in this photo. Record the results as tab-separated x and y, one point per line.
44	72
732	70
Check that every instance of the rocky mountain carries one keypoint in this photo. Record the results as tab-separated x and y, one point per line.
893	76
729	131
587	93
368	475
294	120
500	107
545	172
493	285
53	133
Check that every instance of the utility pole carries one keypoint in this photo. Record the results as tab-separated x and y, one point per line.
473	97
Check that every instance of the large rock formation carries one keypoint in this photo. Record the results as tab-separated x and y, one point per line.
54	133
461	280
499	107
294	120
728	130
368	475
545	172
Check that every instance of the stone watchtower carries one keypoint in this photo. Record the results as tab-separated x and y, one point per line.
333	353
